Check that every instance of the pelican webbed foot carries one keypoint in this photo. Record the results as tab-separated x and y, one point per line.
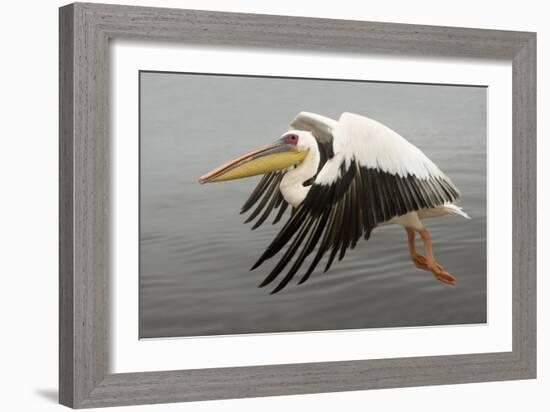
443	276
427	263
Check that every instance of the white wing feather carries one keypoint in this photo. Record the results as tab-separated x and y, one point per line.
377	146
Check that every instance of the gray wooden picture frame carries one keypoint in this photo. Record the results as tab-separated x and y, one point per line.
85	31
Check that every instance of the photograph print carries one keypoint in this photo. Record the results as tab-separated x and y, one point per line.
279	204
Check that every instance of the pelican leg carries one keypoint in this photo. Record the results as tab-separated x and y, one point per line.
419	261
432	265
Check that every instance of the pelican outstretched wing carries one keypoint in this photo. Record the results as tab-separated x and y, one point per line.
373	176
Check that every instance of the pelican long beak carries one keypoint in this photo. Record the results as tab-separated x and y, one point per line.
277	156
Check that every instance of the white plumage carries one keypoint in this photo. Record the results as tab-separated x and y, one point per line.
375	145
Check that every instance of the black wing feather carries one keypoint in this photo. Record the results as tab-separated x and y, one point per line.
323	246
310	246
282	210
335	236
267	211
257	192
290	254
268	191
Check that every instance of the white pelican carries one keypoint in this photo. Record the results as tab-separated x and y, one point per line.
342	178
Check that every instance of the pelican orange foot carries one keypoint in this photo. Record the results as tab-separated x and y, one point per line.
427	262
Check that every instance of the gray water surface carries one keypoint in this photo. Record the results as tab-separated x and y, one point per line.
195	251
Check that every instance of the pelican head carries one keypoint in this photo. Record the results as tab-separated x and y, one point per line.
289	150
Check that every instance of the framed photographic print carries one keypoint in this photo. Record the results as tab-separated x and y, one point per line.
257	205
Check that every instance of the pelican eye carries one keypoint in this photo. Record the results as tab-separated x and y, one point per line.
291	138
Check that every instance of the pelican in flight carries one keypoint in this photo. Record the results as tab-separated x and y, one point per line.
342	179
